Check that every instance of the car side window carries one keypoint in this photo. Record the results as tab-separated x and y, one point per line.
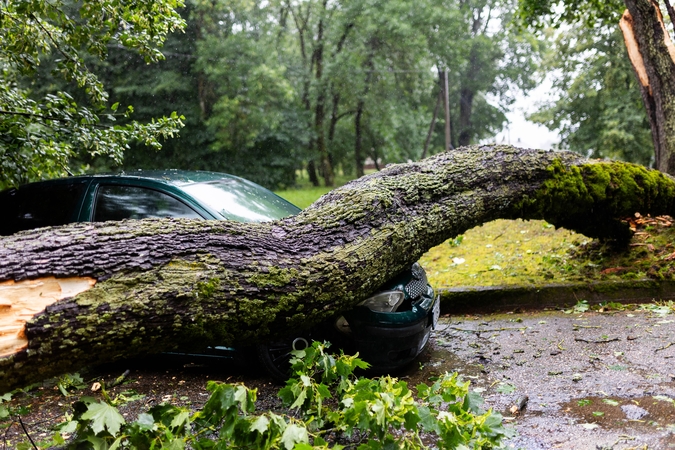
40	205
114	202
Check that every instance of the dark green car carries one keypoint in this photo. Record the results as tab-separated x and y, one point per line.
388	329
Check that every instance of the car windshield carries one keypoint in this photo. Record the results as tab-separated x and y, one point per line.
242	201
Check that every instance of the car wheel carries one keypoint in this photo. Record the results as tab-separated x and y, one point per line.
275	357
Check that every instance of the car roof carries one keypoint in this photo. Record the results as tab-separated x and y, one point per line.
167	176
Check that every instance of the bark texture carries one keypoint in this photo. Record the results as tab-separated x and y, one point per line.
653	57
161	284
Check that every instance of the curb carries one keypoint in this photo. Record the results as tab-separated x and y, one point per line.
510	298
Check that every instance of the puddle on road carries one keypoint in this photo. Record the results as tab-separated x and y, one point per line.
653	412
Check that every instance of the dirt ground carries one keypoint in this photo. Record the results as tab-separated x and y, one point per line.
570	380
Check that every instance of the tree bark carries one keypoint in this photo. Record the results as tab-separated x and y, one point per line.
653	57
137	287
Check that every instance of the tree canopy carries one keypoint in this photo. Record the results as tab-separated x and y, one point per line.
599	111
314	84
42	134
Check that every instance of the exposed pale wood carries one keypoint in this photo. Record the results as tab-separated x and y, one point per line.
626	25
21	301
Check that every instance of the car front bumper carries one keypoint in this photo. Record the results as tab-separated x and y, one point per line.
388	341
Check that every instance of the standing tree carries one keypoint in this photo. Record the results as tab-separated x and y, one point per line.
649	48
488	58
652	54
41	135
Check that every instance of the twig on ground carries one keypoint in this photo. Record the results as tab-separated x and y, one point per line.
27	435
487	330
664	347
600	341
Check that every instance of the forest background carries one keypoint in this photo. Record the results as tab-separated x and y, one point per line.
271	89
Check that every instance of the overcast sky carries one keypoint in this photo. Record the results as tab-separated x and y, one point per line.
523	133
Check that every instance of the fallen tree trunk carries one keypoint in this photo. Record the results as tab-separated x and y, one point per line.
135	287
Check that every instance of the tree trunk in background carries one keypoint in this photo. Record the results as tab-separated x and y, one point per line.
361	104
136	287
439	98
311	171
358	139
325	164
465	109
653	57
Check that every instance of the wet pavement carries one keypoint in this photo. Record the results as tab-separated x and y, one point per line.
570	380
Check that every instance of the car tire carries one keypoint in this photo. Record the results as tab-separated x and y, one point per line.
275	357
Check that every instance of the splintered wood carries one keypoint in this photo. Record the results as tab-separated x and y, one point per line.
626	26
20	302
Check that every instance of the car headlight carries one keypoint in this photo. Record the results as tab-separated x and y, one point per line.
386	301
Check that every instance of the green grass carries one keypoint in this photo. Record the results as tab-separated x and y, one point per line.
304	194
517	252
303	197
503	252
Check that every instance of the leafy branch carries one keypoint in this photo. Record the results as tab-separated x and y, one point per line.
330	407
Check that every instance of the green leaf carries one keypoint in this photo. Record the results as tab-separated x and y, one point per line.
181	419
104	416
473	402
97	443
505	388
174	444
63	390
428	419
245	397
294	434
260	424
68	427
300	399
146	422
115	445
303	446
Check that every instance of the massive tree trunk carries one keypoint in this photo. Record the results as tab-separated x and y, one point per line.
136	287
653	58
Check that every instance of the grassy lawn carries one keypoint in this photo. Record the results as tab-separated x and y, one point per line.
516	252
502	252
303	197
305	194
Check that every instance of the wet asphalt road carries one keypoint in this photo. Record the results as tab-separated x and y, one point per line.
586	380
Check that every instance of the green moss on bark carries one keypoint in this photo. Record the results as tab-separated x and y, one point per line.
273	276
589	196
